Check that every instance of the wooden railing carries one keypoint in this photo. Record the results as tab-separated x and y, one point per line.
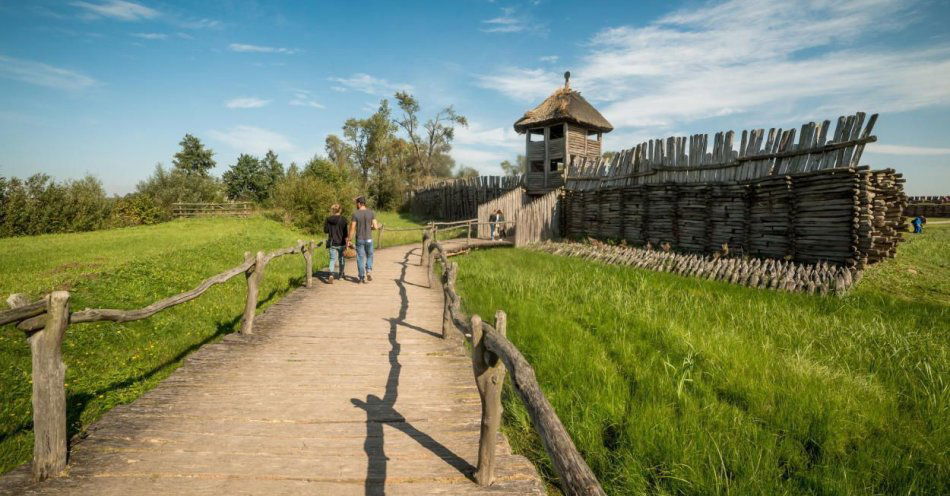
234	209
45	322
490	350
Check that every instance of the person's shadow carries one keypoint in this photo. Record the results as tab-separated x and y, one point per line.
380	411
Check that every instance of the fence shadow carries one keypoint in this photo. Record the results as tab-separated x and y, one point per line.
380	411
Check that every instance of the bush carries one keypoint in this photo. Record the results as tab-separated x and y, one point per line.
40	205
168	187
136	209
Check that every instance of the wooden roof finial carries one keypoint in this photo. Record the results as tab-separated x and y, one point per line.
567	80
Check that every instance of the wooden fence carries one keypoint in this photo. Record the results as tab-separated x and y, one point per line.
509	204
759	273
539	220
843	216
229	209
928	206
44	321
492	354
459	198
676	160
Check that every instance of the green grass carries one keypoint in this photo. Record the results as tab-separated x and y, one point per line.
108	363
673	385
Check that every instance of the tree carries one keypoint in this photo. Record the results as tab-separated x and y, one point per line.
194	158
248	179
166	187
514	169
466	172
273	168
369	139
434	139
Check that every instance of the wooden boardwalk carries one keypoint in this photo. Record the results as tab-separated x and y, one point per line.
345	389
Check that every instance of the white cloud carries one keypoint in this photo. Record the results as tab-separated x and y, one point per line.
521	84
246	102
116	9
496	137
42	74
511	21
200	24
368	84
549	59
254	140
151	36
303	98
769	57
507	22
905	150
242	47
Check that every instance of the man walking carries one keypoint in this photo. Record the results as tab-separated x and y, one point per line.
361	231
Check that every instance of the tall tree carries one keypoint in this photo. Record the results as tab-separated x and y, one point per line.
194	158
466	172
247	179
435	136
514	169
370	140
274	170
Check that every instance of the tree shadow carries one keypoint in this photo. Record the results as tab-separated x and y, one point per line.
381	411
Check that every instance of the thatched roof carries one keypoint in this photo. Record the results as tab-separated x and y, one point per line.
563	105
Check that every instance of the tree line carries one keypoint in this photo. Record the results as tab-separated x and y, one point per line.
381	156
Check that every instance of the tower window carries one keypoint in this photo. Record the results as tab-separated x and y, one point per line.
537	166
557	165
556	132
535	135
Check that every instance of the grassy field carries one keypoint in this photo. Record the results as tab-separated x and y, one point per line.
109	363
673	385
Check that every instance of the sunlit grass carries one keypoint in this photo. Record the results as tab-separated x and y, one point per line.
673	385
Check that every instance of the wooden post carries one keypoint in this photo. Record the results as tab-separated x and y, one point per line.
254	276
448	285
308	256
379	242
49	390
489	377
426	240
468	234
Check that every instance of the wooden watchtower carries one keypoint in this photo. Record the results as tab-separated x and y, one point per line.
560	131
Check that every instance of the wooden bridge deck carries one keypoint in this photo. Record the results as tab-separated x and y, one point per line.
344	389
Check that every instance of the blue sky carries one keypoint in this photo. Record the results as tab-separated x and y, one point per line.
109	87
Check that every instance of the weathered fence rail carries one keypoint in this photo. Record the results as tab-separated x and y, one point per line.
233	209
45	322
491	349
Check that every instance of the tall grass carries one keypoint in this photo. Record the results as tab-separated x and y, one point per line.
674	385
110	363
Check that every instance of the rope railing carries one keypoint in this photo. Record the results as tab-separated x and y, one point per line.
492	355
45	322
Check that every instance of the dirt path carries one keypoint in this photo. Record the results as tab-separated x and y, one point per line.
345	389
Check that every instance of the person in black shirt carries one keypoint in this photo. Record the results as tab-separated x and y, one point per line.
336	229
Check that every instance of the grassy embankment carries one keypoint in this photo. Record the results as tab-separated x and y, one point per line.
673	385
109	363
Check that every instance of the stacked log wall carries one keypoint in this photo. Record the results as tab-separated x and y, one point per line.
928	206
841	216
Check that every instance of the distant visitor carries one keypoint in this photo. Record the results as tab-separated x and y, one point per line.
361	234
336	229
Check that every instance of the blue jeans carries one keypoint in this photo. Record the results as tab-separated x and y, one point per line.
364	256
491	227
336	254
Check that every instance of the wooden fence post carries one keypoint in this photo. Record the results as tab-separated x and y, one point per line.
489	377
307	251
468	238
254	276
49	390
449	274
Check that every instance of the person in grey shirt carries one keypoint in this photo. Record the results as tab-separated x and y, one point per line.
362	225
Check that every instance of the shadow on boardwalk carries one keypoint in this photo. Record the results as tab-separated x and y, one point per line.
382	411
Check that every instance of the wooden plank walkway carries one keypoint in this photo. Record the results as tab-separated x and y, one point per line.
345	389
